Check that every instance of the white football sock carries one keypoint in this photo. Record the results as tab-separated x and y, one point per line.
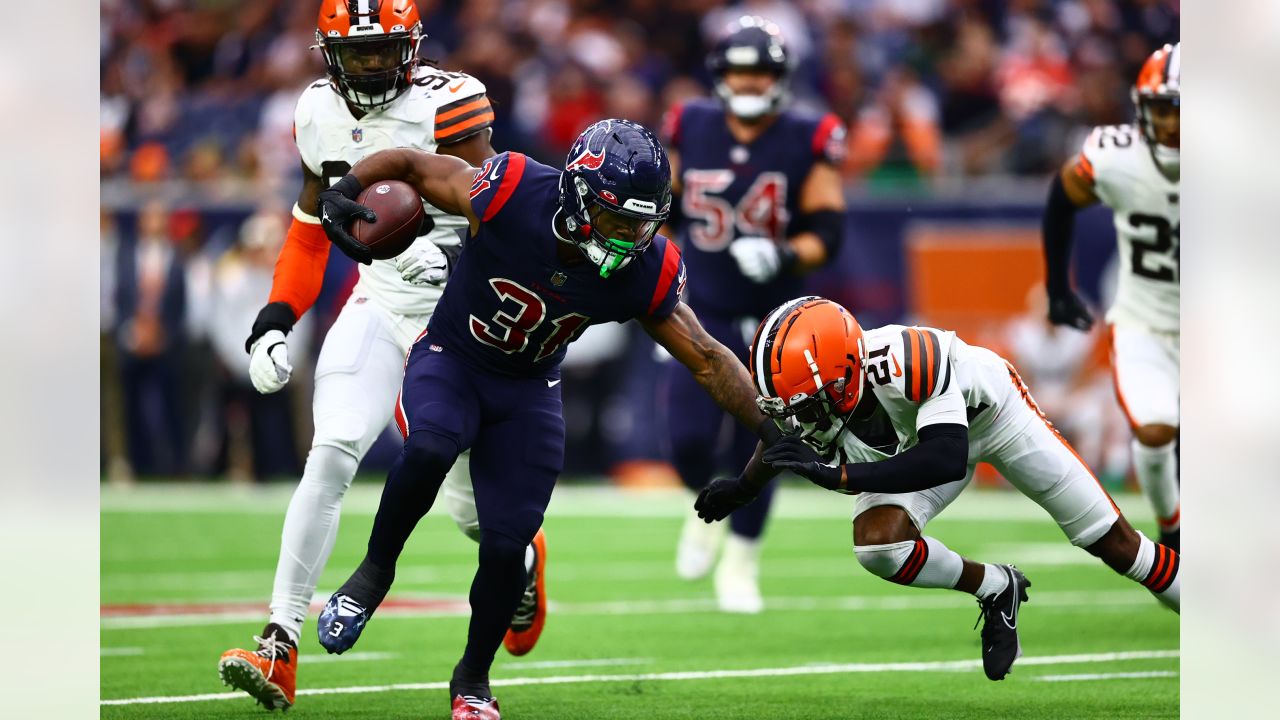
1157	471
310	528
994	581
920	563
1156	568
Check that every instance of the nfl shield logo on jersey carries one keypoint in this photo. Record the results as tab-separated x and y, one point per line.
357	134
558	279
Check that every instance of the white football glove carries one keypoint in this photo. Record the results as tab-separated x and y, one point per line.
269	367
423	264
757	257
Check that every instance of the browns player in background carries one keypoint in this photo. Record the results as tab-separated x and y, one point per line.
1134	170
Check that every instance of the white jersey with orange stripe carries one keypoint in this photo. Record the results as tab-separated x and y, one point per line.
923	376
1145	203
439	107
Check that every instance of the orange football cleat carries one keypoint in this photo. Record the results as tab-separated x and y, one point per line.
526	625
474	708
269	674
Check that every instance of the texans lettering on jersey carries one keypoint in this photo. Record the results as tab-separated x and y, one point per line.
1118	162
438	109
732	190
511	306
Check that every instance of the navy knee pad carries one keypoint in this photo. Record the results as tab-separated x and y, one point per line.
501	549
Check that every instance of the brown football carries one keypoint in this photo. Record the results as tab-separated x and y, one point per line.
400	215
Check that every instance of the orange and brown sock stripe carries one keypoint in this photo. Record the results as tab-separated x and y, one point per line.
915	561
1163	571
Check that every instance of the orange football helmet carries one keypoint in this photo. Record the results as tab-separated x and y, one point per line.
370	48
1158	82
806	361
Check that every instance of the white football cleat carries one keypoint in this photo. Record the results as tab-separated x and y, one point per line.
696	551
737	576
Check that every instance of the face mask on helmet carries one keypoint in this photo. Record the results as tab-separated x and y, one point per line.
813	418
753	51
612	236
370	72
1157	98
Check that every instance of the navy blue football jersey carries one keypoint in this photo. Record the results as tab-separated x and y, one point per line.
511	306
732	190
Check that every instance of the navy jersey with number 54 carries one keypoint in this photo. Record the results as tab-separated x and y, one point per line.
511	306
732	190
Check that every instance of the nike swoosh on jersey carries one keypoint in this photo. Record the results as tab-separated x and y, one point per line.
897	371
493	174
456	88
552	383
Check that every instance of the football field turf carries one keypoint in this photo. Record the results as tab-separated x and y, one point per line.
187	572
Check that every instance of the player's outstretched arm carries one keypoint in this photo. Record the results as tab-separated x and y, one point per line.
941	456
726	380
714	366
1072	189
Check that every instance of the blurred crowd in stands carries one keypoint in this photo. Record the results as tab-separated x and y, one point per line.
204	89
200	94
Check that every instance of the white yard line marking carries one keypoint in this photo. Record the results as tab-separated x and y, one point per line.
1108	676
600	662
347	657
119	651
890	603
828	669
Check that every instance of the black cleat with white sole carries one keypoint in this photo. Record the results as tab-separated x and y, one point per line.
1000	646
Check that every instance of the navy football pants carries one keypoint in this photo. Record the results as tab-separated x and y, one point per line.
705	441
514	428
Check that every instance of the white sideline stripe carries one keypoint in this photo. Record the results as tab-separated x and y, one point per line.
828	669
346	657
119	651
1109	676
891	603
600	662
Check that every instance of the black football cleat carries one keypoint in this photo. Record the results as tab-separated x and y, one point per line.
999	618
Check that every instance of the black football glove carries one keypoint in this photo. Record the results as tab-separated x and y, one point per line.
792	453
721	497
338	208
1068	309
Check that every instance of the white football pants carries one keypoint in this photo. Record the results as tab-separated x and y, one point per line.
1015	438
358	376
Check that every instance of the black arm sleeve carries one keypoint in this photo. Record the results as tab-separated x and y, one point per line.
828	225
942	456
1057	226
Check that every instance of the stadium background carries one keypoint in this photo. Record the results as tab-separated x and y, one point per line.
959	111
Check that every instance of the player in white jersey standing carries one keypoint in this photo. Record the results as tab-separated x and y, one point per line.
900	416
1134	169
377	95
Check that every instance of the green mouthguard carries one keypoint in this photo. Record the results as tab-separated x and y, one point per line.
617	248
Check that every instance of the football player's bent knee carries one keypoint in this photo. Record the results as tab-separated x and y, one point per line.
884	560
429	453
1155	435
499	549
883	525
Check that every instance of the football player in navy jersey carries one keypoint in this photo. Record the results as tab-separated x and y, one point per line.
550	253
759	203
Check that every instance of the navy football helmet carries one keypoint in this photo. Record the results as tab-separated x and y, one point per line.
615	192
751	43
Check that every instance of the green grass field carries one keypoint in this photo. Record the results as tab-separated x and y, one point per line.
186	574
